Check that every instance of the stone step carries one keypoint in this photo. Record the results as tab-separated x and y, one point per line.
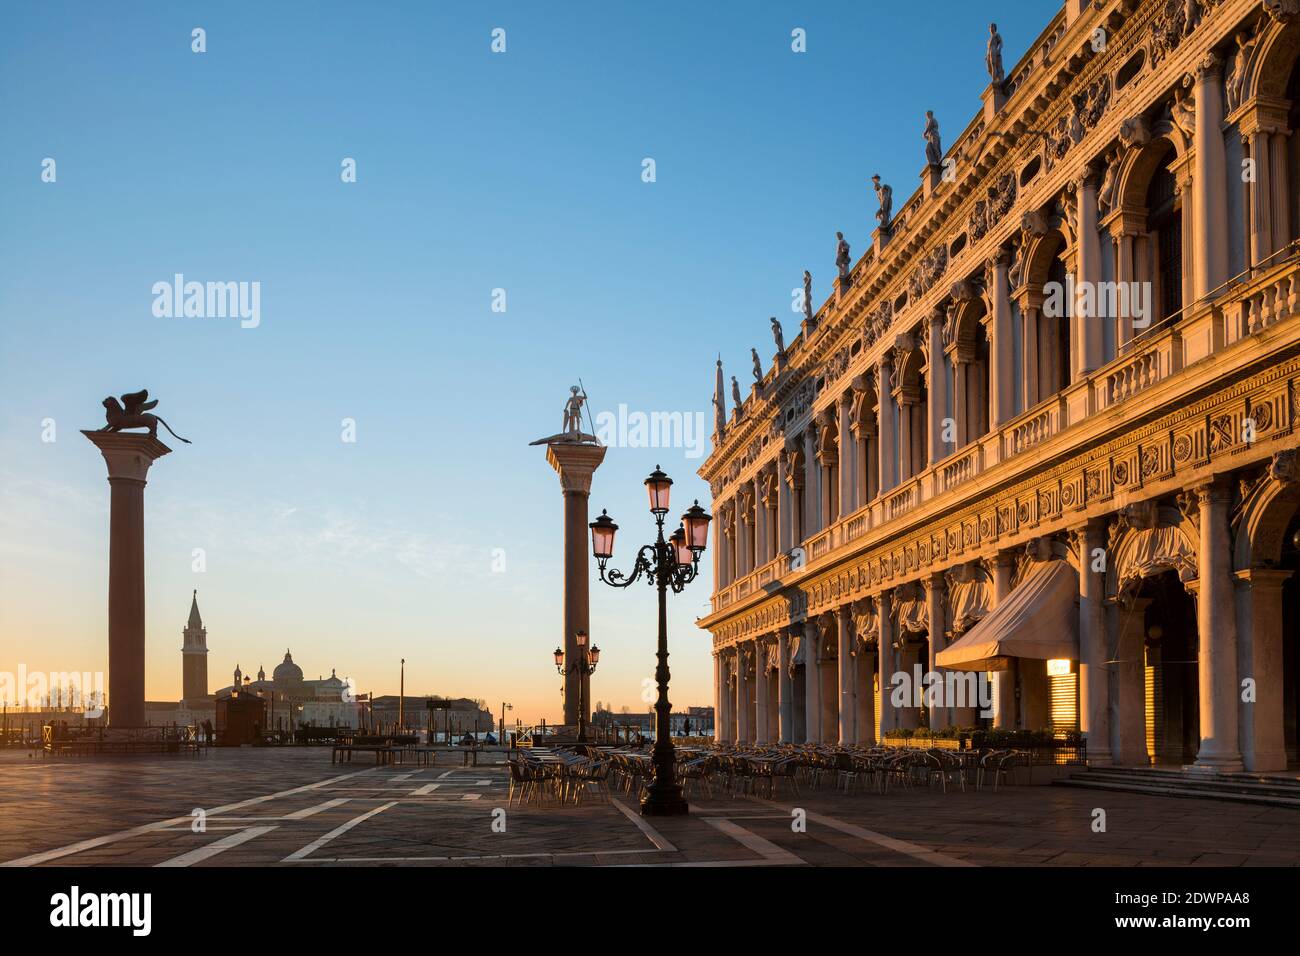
1172	790
1197	780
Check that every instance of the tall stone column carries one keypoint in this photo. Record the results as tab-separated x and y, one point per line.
575	463
1002	359
1004	682
1259	657
1032	387
744	693
1094	673
718	697
784	688
725	718
762	697
1088	328
1216	624
766	505
866	672
935	593
811	483
812	683
888	660
783	496
1209	179
937	386
846	459
128	457
844	661
888	437
1128	718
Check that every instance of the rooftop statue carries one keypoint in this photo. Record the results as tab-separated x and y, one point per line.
842	259
758	366
133	412
884	196
933	145
993	59
778	335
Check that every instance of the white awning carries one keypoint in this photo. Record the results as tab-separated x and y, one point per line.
1039	619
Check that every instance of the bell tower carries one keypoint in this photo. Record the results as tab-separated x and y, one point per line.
194	656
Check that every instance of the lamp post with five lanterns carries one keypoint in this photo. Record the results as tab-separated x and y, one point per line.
668	563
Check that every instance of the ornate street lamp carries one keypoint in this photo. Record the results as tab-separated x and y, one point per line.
668	563
586	665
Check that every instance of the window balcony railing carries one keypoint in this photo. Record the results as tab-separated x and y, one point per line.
1246	306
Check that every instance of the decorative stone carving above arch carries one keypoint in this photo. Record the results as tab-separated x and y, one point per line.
866	623
1135	552
970	593
911	609
1269	504
1275	53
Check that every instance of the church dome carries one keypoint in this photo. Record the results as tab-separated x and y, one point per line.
287	671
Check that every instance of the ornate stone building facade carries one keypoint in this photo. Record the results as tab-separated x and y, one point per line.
1095	503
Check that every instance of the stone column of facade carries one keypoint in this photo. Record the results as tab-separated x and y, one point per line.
864	432
887	663
1002	378
1259	657
1124	272
866	716
847	458
727	723
1032	386
845	662
935	593
828	459
1088	328
784	494
1209	181
720	545
830	692
888	456
1216	624
1128	716
1280	174
760	520
784	688
937	386
717	697
812	683
1094	673
811	483
1004	681
742	694
762	693
128	457
907	400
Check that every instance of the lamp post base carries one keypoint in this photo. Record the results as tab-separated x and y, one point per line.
664	802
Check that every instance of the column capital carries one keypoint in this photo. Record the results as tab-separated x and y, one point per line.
127	454
575	463
1210	65
1214	490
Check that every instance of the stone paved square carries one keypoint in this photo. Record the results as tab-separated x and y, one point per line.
290	807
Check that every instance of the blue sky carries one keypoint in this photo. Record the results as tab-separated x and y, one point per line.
475	171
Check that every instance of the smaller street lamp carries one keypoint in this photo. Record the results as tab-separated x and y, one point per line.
585	665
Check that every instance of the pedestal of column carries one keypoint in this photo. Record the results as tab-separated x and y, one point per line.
575	463
128	457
